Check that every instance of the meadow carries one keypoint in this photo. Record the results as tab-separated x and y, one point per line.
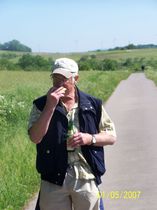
115	54
18	176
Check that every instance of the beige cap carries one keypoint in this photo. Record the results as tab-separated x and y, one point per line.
66	67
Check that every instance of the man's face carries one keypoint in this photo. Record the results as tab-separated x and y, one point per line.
59	80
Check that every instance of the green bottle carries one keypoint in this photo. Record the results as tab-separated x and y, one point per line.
70	133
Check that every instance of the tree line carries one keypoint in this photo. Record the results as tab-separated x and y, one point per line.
26	62
132	46
134	64
29	62
15	45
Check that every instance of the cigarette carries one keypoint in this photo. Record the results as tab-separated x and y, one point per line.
63	90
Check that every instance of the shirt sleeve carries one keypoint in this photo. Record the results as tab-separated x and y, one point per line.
106	124
34	115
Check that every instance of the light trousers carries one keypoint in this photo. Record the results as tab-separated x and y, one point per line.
75	194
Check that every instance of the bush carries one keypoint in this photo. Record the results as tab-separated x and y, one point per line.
29	62
109	65
5	64
91	63
8	55
11	112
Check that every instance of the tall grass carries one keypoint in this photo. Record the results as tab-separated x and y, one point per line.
152	74
18	176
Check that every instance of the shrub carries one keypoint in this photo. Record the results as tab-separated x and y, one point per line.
109	65
30	62
8	55
5	64
12	112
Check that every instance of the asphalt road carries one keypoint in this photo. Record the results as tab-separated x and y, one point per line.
130	180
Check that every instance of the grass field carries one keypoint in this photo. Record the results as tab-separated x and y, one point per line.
116	54
18	177
152	75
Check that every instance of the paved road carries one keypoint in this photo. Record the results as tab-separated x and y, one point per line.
132	161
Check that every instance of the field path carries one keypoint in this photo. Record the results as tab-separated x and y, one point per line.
132	162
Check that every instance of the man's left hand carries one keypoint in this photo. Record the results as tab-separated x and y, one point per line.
79	139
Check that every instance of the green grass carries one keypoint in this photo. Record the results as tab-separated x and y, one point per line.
18	176
101	84
18	179
150	74
124	54
115	54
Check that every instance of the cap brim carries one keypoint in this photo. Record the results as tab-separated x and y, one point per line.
63	72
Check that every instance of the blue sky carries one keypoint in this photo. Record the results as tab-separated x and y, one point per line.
78	25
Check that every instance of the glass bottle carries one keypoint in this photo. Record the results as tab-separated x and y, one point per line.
71	131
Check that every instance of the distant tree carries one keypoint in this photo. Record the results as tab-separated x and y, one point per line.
130	46
93	56
5	64
109	65
92	63
26	61
41	62
30	62
128	62
84	63
84	66
1	46
15	45
84	58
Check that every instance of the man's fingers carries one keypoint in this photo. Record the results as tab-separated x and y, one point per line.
60	90
75	140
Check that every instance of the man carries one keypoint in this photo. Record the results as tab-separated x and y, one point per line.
70	129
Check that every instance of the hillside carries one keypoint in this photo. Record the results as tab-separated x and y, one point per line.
132	59
114	54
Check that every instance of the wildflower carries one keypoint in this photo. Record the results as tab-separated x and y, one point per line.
1	98
21	104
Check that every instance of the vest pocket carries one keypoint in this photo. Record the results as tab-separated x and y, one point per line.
98	162
45	160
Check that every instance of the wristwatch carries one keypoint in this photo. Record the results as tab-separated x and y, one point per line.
93	141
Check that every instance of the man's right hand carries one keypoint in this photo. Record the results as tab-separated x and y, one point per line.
53	96
40	127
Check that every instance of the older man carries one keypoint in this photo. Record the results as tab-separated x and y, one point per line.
70	129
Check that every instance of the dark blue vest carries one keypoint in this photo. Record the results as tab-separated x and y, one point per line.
52	155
